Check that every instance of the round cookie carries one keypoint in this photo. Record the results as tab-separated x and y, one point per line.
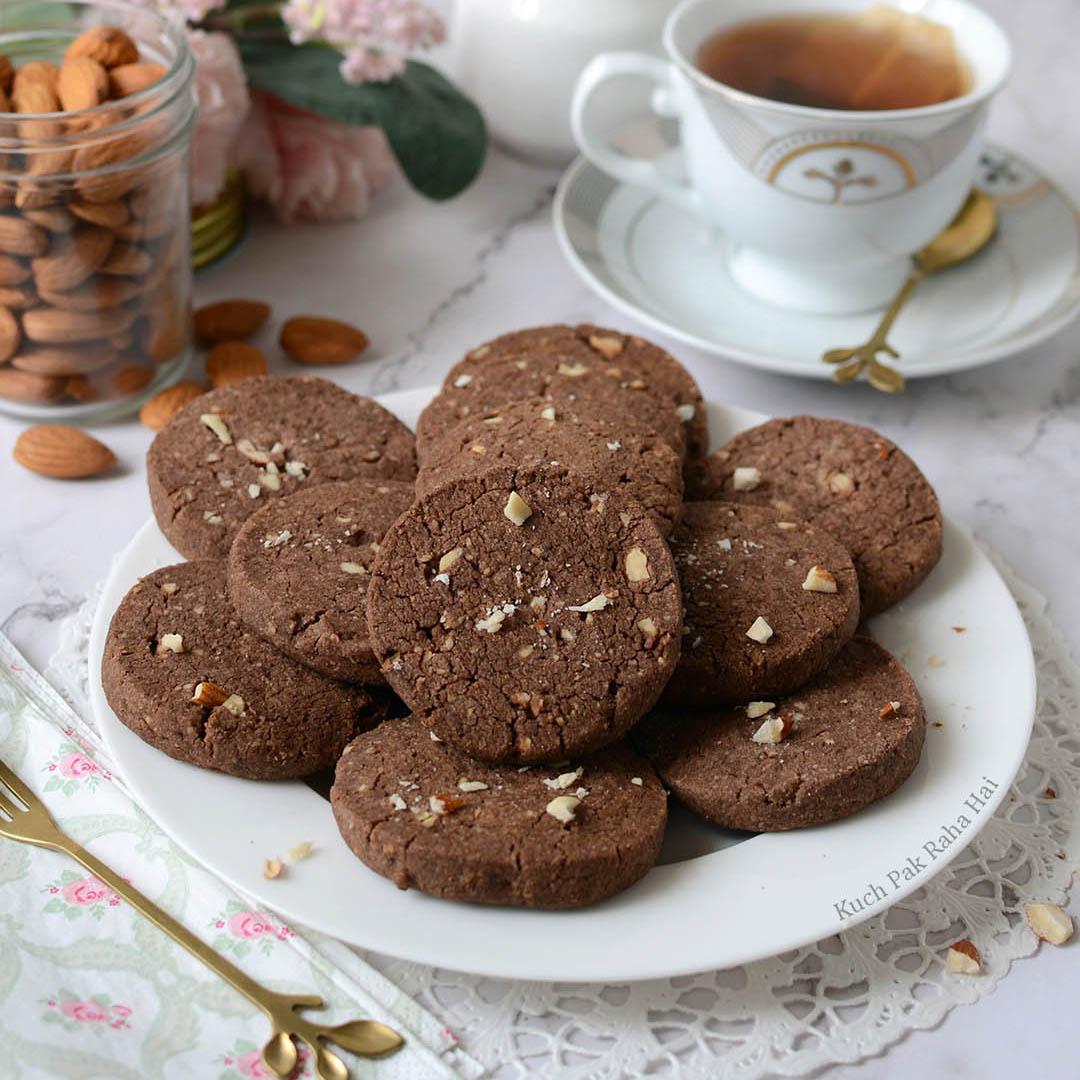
229	452
849	481
626	377
856	733
527	616
260	715
430	818
537	431
299	569
738	564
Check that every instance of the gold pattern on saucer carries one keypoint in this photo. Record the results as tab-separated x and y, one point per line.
23	817
967	234
219	227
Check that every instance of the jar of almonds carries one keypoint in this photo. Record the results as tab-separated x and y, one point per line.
97	107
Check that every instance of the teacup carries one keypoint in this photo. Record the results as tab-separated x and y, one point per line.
823	207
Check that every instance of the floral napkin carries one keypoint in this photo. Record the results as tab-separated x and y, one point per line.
90	989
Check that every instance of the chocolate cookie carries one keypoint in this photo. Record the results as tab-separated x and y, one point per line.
299	570
849	481
852	735
229	452
188	677
767	602
529	616
537	431
430	818
626	377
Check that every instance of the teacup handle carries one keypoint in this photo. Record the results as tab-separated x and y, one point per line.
632	170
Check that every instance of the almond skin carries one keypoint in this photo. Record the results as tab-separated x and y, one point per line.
156	412
13	271
229	361
81	389
26	386
309	339
73	261
62	452
130	378
127	79
21	237
83	83
108	45
229	320
10	334
55	326
56	360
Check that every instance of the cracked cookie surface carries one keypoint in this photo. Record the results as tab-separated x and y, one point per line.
431	818
625	376
299	570
526	615
739	564
853	735
260	714
846	479
536	431
229	452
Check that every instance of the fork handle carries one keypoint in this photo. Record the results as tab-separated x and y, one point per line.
255	993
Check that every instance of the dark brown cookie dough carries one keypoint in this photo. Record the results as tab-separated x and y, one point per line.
849	481
856	733
175	636
738	564
531	617
263	438
584	365
537	431
299	570
430	818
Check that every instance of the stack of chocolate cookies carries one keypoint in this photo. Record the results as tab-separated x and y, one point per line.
565	633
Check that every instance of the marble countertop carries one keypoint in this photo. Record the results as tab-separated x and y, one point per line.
1001	444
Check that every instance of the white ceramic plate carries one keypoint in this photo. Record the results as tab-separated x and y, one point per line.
718	898
657	264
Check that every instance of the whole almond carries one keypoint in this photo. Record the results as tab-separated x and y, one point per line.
72	260
53	218
56	360
26	386
108	45
309	339
229	361
156	412
127	79
81	389
229	320
13	271
62	452
130	378
36	95
164	331
110	215
127	260
102	292
10	334
18	297
82	84
55	326
7	73
36	71
21	237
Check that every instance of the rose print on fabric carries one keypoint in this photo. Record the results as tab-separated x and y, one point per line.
74	1013
241	929
73	893
244	1062
73	765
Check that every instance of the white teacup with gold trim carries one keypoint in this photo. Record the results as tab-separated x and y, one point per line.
824	207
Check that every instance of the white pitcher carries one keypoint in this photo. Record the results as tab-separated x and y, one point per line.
519	60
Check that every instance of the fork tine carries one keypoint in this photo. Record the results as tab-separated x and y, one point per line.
9	779
8	809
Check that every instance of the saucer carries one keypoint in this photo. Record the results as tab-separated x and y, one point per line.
665	268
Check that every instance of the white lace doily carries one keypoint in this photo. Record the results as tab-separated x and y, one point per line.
837	1001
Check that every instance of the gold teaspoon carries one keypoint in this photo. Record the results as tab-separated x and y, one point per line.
967	234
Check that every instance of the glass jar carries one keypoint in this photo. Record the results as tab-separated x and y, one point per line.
95	259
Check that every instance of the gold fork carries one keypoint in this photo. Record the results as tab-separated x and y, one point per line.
23	817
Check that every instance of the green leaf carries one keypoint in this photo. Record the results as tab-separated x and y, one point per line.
437	134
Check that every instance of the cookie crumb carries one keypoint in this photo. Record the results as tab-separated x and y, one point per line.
273	868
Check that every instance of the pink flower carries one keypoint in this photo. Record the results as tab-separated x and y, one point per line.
75	765
250	924
121	1010
223	107
309	168
86	1012
250	1064
88	890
